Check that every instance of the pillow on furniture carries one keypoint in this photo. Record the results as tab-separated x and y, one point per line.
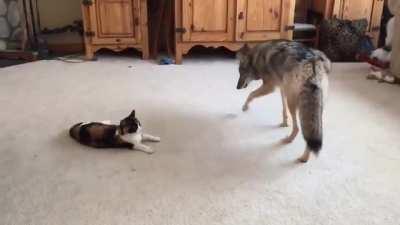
340	39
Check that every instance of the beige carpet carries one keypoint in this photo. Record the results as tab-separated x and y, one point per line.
215	164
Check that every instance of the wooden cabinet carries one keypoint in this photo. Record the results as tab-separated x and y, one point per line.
116	25
208	20
230	23
353	10
259	20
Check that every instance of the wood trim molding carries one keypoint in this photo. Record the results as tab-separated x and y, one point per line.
232	46
144	28
183	48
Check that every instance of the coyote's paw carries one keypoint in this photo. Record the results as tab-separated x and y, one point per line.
287	140
284	124
245	108
302	159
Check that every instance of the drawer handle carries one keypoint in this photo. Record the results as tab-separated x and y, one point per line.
241	16
289	27
118	40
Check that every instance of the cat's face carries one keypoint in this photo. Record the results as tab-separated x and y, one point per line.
130	124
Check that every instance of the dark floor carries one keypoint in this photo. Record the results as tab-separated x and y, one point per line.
10	62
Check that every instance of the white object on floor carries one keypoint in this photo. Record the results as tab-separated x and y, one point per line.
382	55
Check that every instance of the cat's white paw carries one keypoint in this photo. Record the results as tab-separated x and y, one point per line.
144	148
157	139
148	137
149	150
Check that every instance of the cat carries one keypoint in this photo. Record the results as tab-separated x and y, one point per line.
128	134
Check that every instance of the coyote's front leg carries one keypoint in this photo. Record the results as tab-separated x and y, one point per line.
265	89
284	111
293	105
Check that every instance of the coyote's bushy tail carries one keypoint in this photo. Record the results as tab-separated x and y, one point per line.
310	111
325	61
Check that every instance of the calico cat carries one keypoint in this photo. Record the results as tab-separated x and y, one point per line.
128	134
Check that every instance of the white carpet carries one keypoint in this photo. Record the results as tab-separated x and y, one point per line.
215	164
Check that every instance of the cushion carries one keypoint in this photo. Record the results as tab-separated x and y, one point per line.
341	39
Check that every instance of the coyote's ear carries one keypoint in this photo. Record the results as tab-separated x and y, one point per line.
132	115
243	52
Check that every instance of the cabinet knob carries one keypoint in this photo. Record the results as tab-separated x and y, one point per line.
241	16
118	40
289	27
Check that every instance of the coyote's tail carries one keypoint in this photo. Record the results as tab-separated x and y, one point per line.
310	111
325	60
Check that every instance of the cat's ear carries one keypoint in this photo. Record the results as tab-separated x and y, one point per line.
132	114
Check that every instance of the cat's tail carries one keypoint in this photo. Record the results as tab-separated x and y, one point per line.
74	131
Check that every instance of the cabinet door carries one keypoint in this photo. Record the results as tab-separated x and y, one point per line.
363	9
376	18
259	20
208	20
357	9
115	21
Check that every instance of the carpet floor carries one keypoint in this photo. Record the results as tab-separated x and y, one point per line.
214	165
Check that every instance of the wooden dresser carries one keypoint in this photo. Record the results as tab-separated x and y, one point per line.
115	25
230	23
121	24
